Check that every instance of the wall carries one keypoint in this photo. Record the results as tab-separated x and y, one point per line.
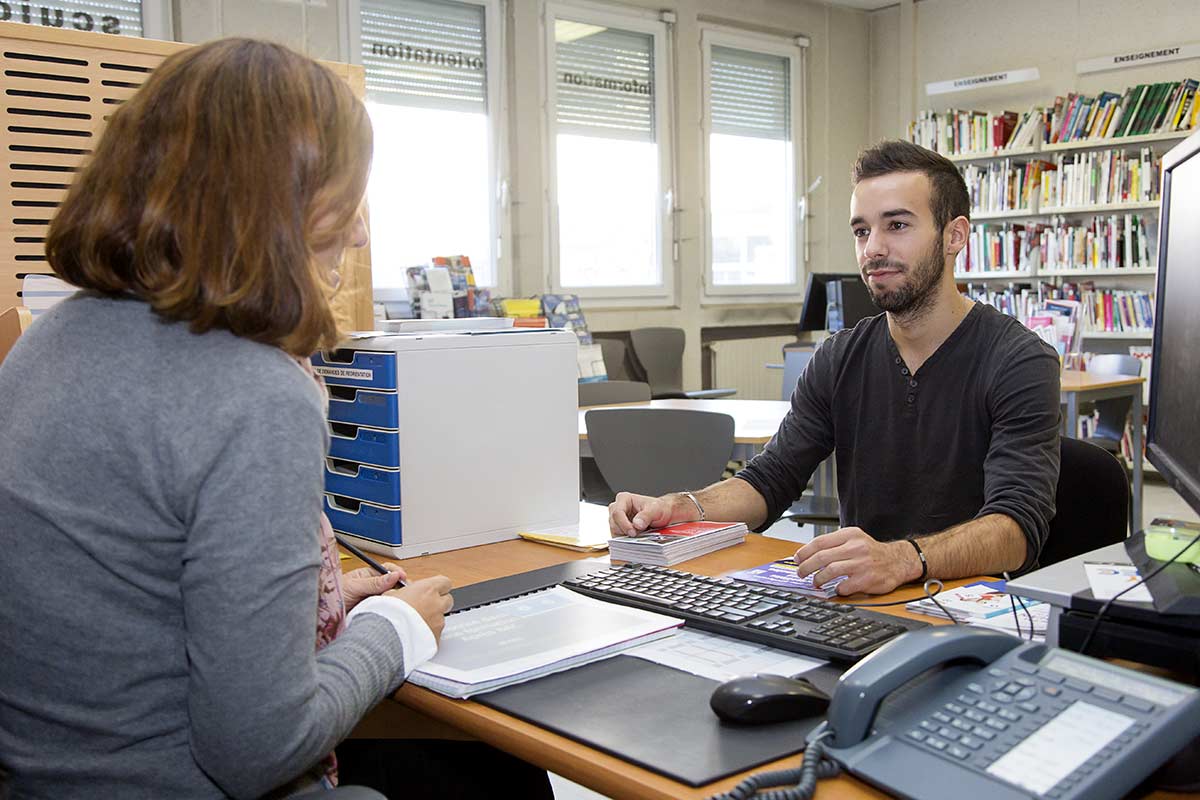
837	113
957	38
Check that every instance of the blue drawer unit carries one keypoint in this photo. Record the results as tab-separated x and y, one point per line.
361	368
363	407
370	521
365	445
362	482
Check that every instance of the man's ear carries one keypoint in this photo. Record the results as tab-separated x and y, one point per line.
955	235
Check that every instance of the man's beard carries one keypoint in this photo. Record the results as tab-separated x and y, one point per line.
916	294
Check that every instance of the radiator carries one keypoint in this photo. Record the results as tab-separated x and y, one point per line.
742	364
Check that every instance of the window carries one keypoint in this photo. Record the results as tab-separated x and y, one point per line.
753	160
609	157
432	93
124	17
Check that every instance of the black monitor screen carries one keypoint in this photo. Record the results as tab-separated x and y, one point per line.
833	302
1173	436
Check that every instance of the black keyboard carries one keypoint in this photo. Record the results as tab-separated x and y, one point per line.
751	612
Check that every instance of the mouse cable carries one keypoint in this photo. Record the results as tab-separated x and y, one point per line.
1104	609
816	766
928	595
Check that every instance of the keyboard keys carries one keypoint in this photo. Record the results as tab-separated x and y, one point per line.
1137	703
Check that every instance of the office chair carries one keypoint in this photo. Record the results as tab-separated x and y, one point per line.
613	351
654	451
592	486
1113	412
599	393
659	353
824	513
1092	501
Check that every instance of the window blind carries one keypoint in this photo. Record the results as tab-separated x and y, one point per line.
111	16
750	94
427	53
604	81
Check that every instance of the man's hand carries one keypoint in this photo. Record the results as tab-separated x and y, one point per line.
431	598
359	584
869	565
630	514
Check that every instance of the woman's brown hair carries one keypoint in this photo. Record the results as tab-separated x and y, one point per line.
213	187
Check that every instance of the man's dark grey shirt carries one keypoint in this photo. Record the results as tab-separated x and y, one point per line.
973	432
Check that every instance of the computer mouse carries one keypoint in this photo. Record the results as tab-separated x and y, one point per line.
757	699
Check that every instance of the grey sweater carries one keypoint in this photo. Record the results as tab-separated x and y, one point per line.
159	509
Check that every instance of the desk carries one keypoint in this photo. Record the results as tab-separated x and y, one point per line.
599	771
1078	386
577	762
754	423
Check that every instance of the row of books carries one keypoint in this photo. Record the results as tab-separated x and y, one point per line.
1016	301
1000	247
1139	110
1004	185
1114	241
957	131
1099	177
1117	311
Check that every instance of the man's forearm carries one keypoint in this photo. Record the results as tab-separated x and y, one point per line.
732	500
989	545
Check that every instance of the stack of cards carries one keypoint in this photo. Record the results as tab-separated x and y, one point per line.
663	547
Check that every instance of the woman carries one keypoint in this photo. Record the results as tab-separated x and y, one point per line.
160	479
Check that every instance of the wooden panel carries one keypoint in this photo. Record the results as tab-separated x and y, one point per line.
59	89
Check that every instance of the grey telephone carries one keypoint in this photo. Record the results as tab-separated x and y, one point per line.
960	712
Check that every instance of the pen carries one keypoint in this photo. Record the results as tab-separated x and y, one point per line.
361	556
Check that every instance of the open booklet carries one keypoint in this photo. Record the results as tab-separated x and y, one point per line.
525	637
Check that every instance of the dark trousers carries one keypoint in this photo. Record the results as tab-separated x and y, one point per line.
439	769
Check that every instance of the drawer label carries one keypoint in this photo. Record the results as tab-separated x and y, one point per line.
344	372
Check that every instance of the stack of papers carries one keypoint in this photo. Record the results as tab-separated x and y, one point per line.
663	547
975	602
531	635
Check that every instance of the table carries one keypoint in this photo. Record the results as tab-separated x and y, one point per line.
1078	386
754	423
578	762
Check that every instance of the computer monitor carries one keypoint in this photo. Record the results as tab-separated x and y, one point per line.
833	302
1173	435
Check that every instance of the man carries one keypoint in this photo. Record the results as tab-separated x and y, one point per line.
943	413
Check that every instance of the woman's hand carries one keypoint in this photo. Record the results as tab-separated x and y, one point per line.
432	600
359	584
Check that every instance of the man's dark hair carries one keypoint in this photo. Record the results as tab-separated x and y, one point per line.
948	198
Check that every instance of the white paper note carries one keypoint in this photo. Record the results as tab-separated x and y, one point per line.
1109	579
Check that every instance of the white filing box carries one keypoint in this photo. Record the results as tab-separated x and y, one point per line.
485	437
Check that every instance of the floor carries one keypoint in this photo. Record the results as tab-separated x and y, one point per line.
1159	501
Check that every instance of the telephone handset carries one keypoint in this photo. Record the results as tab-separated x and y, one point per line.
976	714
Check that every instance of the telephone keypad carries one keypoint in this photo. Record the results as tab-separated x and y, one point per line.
975	729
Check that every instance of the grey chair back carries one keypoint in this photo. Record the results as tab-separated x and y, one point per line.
599	393
794	362
654	451
614	359
660	353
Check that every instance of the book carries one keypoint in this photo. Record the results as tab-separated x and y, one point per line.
782	574
590	534
525	637
975	601
666	546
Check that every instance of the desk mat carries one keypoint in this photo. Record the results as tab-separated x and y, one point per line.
653	716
